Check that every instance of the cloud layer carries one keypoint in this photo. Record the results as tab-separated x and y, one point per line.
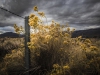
78	13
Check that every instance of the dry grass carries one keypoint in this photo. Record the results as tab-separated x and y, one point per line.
8	44
72	60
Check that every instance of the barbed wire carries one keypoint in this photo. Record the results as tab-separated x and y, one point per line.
11	12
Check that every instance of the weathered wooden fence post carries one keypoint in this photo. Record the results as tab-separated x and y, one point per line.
27	51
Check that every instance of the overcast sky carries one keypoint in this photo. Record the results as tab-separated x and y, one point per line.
79	14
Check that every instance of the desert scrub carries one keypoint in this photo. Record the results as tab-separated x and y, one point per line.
8	44
55	52
13	61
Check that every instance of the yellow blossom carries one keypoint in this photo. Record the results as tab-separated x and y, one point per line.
48	37
65	42
13	51
87	41
53	21
41	14
36	18
56	39
22	45
31	15
35	8
28	43
79	37
17	29
66	34
31	19
68	29
93	48
30	47
66	67
15	25
55	65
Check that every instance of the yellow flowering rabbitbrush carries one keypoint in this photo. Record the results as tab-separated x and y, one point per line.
51	48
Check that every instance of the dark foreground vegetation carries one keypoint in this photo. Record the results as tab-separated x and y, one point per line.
49	61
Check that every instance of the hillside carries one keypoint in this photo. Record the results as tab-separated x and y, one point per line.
90	33
11	35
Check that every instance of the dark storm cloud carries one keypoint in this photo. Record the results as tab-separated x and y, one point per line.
16	6
5	24
75	12
91	1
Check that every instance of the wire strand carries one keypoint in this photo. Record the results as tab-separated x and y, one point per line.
11	12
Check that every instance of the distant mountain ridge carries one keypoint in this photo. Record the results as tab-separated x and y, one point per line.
89	33
11	35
